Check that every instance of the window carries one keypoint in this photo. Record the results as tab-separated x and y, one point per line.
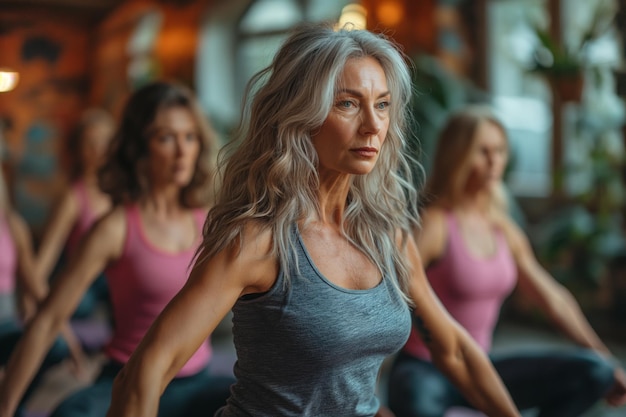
240	38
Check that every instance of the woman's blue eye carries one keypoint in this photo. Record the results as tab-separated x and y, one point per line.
382	105
346	103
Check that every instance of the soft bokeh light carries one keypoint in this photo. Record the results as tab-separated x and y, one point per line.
8	80
390	12
353	16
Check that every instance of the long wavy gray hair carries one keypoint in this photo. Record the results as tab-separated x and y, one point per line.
269	171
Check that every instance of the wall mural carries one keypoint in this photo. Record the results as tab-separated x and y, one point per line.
40	112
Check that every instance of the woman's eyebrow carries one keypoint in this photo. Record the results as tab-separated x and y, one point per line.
358	94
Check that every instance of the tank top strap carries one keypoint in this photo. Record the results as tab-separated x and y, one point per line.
452	225
133	224
80	191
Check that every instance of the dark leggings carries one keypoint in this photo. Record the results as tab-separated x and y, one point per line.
10	334
558	383
199	395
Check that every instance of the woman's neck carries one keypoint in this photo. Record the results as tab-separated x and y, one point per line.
164	201
332	196
468	202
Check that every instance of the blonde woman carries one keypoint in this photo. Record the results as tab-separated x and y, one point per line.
309	245
475	256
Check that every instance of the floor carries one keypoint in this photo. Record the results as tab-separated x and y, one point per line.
60	381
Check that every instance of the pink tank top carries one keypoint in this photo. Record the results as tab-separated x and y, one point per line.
86	217
141	283
472	289
8	258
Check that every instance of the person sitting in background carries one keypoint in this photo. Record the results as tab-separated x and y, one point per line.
20	292
81	204
158	172
309	245
475	255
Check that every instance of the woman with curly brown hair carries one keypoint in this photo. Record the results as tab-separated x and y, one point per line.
157	174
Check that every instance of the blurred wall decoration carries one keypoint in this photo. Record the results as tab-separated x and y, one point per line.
49	57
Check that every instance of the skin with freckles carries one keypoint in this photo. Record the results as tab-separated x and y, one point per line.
351	138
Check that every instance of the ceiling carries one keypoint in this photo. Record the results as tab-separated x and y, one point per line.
79	11
78	6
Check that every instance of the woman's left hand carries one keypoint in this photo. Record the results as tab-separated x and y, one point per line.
617	394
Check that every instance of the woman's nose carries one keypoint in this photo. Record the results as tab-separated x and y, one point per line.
370	123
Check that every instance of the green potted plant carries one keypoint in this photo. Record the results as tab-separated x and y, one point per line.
563	66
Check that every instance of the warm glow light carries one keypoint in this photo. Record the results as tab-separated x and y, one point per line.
352	17
8	80
390	13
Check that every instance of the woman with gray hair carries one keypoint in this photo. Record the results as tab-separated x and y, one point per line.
309	244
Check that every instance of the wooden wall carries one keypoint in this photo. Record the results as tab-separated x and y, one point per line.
67	65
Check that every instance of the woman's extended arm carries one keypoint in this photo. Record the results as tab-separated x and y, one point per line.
101	245
536	284
56	232
29	289
212	289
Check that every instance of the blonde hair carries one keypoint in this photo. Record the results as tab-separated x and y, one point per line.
270	170
450	170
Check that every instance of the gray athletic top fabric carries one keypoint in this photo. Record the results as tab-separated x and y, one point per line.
312	348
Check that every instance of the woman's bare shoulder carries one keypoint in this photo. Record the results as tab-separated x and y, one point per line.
433	213
431	236
252	256
433	221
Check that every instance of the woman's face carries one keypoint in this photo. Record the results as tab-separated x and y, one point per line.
350	139
95	141
488	156
173	147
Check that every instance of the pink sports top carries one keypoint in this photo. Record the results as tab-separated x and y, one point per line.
141	283
86	216
471	288
8	258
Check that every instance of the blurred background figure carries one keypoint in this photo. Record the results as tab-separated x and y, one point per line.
81	204
21	291
158	174
475	255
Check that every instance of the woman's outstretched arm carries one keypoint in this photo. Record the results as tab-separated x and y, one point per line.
103	244
56	232
213	287
537	285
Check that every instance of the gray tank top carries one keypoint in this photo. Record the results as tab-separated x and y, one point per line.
312	348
